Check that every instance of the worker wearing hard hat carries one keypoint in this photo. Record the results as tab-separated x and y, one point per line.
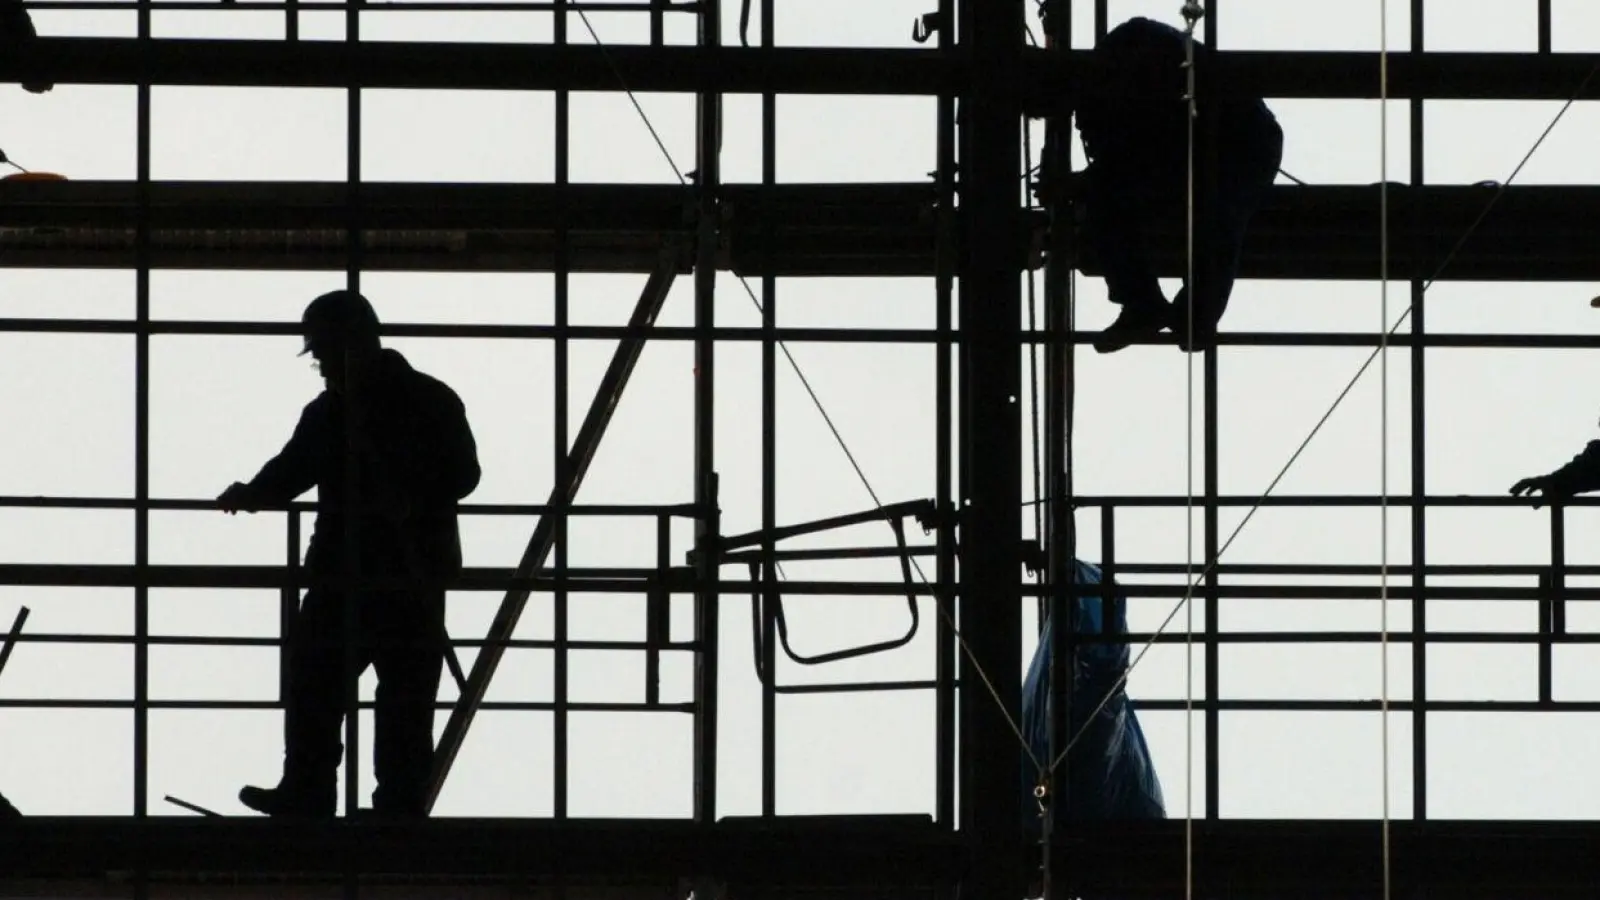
415	460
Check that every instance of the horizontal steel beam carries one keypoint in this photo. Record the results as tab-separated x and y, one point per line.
904	850
1530	233
484	579
1538	233
1233	859
1245	860
739	70
483	66
833	229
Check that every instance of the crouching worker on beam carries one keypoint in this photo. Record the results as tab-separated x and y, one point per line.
415	460
1132	114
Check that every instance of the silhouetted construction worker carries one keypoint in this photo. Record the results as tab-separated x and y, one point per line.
1580	475
16	29
416	458
1133	117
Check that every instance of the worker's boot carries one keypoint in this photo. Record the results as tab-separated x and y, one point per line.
1198	335
1141	321
303	798
7	811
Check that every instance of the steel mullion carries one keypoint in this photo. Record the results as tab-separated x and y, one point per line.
141	615
769	445
1419	455
1211	537
946	752
562	457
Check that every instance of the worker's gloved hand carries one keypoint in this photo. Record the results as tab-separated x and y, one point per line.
1538	484
239	498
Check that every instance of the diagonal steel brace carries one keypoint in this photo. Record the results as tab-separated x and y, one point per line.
651	299
11	638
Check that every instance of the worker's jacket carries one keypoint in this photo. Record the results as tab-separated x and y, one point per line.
1132	113
416	460
1581	475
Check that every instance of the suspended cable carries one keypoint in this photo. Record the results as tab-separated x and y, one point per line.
816	401
1192	13
1345	392
1034	421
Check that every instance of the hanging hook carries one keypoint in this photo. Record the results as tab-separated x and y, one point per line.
926	26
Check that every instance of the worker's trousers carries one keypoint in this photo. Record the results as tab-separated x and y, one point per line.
401	635
1124	195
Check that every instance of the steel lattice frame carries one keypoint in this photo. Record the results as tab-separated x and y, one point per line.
770	231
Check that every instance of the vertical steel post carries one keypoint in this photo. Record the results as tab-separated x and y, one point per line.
1212	439
991	35
288	601
351	597
1546	26
1060	540
1419	464
945	650
560	714
141	439
769	442
707	611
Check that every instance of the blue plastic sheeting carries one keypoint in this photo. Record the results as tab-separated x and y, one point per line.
1109	771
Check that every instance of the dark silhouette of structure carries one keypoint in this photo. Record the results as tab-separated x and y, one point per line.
390	511
975	248
7	811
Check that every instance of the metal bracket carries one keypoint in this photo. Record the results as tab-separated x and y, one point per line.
927	25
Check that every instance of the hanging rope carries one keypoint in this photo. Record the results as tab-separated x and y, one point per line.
1192	13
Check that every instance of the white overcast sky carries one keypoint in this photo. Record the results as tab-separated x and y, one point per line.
222	405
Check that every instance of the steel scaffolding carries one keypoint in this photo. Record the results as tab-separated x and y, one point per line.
969	230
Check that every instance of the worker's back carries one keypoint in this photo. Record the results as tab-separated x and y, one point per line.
1133	109
422	450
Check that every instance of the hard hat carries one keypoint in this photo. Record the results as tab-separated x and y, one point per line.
338	317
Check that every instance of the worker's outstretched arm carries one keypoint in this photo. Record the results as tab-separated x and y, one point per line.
284	477
1580	475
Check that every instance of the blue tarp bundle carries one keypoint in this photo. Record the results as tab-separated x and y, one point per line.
1110	771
